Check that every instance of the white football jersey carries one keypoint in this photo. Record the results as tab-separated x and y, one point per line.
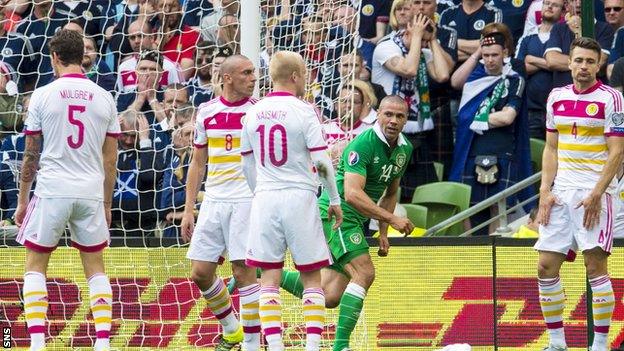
75	116
281	131
583	122
218	127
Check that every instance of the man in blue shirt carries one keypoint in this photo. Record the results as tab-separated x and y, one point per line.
514	13
468	19
374	18
539	78
562	35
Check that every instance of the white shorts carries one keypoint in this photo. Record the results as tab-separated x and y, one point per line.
221	227
565	231
46	220
283	219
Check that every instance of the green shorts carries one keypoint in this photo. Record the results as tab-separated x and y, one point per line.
345	243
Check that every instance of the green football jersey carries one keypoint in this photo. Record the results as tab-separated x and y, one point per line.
369	155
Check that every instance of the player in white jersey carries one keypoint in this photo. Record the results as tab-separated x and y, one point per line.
223	222
282	144
76	121
584	150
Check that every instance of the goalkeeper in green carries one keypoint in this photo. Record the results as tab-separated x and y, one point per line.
369	172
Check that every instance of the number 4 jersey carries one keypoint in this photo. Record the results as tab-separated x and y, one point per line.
218	127
282	131
74	116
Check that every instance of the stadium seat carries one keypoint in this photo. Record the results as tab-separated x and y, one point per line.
537	149
443	200
439	169
417	214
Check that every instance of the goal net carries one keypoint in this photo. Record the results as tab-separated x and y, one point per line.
194	39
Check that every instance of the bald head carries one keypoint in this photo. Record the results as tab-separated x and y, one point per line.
283	64
232	63
393	100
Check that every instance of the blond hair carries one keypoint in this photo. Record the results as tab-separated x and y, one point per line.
367	92
394	24
283	64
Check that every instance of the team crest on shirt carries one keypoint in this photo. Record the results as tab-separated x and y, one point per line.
354	158
617	118
400	159
356	238
517	3
87	15
7	52
368	10
478	25
591	109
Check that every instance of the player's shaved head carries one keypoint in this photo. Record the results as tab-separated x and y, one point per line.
232	63
283	64
393	99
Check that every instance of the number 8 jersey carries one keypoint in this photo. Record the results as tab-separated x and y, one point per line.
583	121
281	131
74	116
218	127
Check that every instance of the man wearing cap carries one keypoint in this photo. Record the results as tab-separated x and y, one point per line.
207	82
492	133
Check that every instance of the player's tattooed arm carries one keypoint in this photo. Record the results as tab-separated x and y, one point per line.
32	153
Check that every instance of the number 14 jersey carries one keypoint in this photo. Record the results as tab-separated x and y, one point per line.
218	127
74	116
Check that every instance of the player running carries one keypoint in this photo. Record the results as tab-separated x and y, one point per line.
223	222
281	141
584	150
76	121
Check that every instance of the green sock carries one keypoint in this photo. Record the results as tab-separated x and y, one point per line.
291	282
351	305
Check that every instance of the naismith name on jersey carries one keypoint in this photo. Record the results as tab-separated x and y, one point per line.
218	127
583	122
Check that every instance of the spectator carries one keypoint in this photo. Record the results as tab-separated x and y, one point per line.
16	52
533	17
10	121
176	40
96	69
531	50
617	76
174	180
206	84
125	13
349	123
403	68
468	19
195	10
561	36
440	139
38	26
175	95
531	228
614	14
374	17
88	14
209	24
228	33
353	62
148	96
12	152
514	15
133	200
400	15
491	152
141	39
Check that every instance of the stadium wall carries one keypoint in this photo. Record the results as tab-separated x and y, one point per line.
428	293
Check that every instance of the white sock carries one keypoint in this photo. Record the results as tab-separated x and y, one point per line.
35	295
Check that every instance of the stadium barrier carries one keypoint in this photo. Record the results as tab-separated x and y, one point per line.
428	293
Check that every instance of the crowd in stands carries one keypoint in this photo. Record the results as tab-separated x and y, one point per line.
160	59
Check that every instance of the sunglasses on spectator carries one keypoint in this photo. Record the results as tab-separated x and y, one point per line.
614	9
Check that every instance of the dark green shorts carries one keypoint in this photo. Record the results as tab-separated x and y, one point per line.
345	243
